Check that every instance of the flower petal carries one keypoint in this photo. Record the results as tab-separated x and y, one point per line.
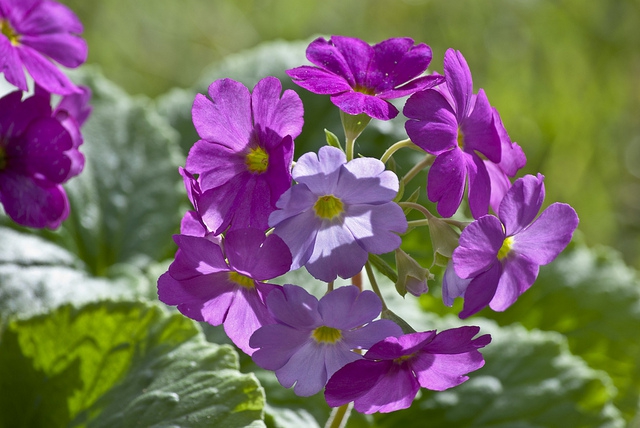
446	181
459	82
319	81
327	56
355	103
294	306
452	285
479	186
346	307
45	73
518	274
375	227
479	130
432	123
275	117
481	290
522	203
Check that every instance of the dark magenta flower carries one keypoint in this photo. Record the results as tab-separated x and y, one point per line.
393	370
361	78
226	286
34	32
245	153
457	127
312	339
338	213
38	152
502	255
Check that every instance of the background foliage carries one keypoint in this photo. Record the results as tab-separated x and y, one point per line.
84	341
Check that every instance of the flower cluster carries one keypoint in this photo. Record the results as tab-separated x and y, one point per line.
257	216
39	145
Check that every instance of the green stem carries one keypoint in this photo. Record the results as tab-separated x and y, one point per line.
459	224
350	147
339	416
418	223
425	162
329	286
374	284
397	146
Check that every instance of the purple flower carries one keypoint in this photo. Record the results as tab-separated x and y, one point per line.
393	370
245	153
338	213
313	339
38	152
361	78
457	127
501	255
33	32
206	287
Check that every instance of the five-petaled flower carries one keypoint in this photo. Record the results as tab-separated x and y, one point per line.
361	78
38	152
31	33
393	370
457	127
312	339
245	153
499	257
226	286
338	213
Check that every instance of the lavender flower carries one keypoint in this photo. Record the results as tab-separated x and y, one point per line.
338	213
313	339
393	370
38	152
361	78
31	33
206	287
455	126
245	153
501	256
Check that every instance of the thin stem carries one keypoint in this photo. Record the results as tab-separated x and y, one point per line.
374	284
459	224
350	147
425	162
357	280
397	146
418	223
329	286
339	416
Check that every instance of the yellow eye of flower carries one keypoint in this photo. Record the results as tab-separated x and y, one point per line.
506	247
241	280
328	207
257	160
324	334
9	32
460	139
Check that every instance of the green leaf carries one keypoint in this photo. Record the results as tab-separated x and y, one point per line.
332	139
383	267
121	364
592	298
126	203
37	276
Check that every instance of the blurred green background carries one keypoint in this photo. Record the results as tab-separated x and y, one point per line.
564	74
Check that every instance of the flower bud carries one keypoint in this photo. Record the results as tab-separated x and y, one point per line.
411	276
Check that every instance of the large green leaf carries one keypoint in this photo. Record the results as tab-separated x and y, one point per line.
37	276
592	298
124	364
127	202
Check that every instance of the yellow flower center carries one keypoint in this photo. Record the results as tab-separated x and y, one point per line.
241	280
257	160
324	334
460	139
364	90
506	247
402	359
9	32
328	207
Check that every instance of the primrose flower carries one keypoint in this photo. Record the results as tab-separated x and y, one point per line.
33	32
393	370
312	339
361	78
245	153
502	255
338	213
232	292
457	127
38	152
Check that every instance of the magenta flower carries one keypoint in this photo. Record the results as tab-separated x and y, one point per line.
457	127
361	78
232	292
393	370
502	255
313	339
33	32
338	213
38	152
245	153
